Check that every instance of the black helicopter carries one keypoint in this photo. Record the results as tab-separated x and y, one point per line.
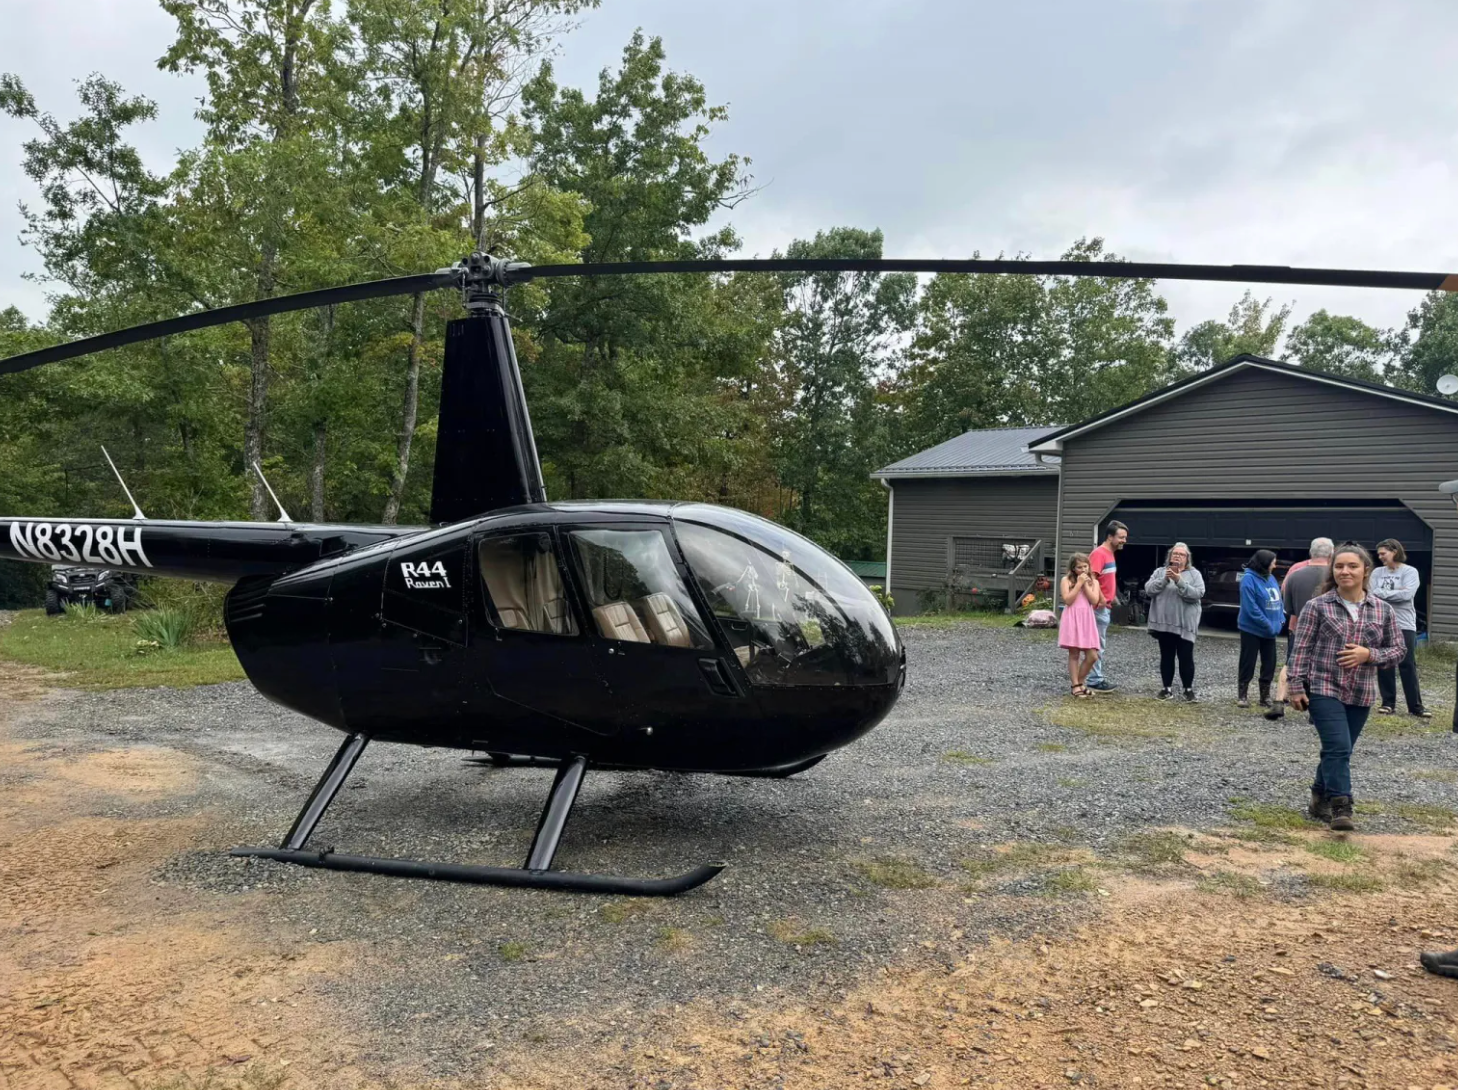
621	635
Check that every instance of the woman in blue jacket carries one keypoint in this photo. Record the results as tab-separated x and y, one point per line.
1262	615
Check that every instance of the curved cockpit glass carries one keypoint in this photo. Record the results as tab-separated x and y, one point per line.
793	614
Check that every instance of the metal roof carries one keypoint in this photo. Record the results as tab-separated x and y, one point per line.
868	569
987	451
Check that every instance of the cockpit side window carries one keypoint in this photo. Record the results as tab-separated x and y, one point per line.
634	592
524	584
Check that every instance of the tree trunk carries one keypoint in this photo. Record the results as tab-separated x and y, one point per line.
260	334
478	180
316	471
412	408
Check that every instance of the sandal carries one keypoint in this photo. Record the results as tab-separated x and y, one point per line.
1385	710
1081	692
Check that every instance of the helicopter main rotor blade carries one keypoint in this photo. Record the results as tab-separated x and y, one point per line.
243	312
1133	270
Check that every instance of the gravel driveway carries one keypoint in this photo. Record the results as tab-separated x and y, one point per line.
968	759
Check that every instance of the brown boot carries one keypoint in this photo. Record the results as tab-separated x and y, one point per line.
1242	697
1265	694
1319	807
1341	813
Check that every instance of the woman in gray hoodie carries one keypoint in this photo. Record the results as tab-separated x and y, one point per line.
1175	592
1397	583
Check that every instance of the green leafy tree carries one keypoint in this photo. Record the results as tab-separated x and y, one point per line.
1341	345
996	350
633	380
1253	327
1427	348
836	344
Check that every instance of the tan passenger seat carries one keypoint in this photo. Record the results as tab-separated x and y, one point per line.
664	620
512	617
617	621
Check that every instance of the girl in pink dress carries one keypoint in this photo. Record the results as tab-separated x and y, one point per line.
1078	631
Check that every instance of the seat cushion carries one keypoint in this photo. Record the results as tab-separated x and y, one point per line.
617	621
664	621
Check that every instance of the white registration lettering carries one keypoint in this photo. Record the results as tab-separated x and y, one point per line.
131	547
80	543
105	537
20	538
43	542
67	549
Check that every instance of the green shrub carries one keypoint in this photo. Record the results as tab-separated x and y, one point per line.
168	628
201	601
83	612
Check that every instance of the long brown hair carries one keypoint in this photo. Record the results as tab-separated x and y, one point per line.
1073	562
1329	584
1395	547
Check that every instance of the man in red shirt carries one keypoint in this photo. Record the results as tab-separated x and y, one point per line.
1104	563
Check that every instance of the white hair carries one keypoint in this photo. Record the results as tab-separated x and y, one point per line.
1321	546
1189	556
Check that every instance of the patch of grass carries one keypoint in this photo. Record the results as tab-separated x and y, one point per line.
1070	781
890	872
1068	880
1051	747
1155	849
714	921
1117	719
512	951
102	654
789	931
1370	809
962	757
1402	726
1338	851
82	612
1409	873
1348	881
1437	818
1230	883
1436	775
1019	856
619	911
1265	815
982	617
673	940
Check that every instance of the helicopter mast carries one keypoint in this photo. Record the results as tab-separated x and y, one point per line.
486	455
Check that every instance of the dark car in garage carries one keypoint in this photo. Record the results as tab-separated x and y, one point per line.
1222	582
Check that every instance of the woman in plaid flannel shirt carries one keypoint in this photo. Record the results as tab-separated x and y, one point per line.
1343	637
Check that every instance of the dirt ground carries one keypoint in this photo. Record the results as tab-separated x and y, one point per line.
1188	975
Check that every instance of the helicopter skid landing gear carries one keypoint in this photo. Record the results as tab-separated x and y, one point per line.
536	874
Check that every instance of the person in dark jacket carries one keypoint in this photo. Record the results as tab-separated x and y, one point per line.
1262	616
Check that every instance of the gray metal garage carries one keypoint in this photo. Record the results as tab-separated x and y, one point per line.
1254	453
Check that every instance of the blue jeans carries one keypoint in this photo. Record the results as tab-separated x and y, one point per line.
1101	618
1338	725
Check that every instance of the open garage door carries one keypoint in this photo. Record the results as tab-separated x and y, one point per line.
1223	533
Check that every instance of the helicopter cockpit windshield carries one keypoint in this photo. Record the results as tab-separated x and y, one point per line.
793	614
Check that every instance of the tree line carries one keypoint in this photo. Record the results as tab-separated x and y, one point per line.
373	138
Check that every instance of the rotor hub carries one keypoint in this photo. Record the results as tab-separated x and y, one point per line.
484	279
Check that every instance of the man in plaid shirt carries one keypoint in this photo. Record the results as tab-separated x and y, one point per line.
1342	638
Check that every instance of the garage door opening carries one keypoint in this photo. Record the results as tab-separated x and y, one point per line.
1223	534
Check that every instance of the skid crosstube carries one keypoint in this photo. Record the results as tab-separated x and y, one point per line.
535	874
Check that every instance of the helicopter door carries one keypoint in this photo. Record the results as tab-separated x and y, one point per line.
654	648
531	655
420	653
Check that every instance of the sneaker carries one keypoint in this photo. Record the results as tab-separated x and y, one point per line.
1104	686
1189	696
1242	702
1165	694
1422	713
1341	813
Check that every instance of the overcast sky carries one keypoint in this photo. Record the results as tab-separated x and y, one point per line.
1301	132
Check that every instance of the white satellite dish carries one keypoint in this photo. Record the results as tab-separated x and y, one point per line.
1448	384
